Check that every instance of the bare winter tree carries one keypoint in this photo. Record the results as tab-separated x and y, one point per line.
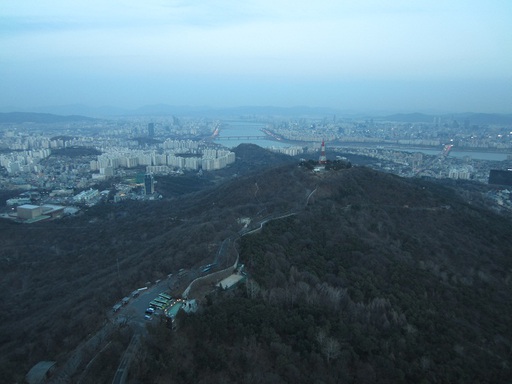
329	346
252	288
331	349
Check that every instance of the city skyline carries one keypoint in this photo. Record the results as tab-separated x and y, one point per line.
399	56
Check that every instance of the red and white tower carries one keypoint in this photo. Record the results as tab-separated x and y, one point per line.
323	158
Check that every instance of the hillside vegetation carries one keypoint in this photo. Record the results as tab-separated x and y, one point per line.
374	278
378	279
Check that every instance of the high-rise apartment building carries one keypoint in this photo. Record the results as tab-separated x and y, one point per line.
151	129
149	184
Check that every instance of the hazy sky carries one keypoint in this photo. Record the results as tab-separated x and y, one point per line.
401	55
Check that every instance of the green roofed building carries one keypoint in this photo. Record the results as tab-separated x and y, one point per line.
173	311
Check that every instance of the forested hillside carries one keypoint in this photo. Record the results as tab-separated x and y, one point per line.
377	279
60	278
373	278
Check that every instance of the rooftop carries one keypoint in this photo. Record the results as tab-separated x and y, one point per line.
230	281
28	206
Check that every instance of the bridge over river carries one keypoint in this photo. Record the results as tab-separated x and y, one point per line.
242	137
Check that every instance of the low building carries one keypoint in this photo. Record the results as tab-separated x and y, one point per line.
61	192
230	281
29	211
190	306
86	196
71	210
174	309
18	201
54	211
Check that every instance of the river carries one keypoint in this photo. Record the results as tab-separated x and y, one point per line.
233	129
455	152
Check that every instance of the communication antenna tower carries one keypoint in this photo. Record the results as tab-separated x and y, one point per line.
323	158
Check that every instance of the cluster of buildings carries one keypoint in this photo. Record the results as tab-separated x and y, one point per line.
437	132
26	160
171	146
29	207
17	140
464	172
30	213
502	198
409	163
164	161
290	151
89	197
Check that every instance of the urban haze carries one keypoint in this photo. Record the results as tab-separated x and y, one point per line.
397	56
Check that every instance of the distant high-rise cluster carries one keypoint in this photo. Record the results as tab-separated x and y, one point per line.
290	151
461	172
183	154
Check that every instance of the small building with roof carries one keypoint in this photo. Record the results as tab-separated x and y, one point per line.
230	281
190	306
29	211
54	211
174	309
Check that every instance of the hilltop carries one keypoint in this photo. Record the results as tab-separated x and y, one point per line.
45	118
377	279
374	276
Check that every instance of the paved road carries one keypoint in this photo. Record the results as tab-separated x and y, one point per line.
124	365
261	224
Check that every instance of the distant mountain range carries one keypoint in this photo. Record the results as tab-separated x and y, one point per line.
185	110
79	113
473	118
30	117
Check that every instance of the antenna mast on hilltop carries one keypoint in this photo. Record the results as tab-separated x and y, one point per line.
323	158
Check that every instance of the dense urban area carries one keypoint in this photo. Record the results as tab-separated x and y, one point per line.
63	166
